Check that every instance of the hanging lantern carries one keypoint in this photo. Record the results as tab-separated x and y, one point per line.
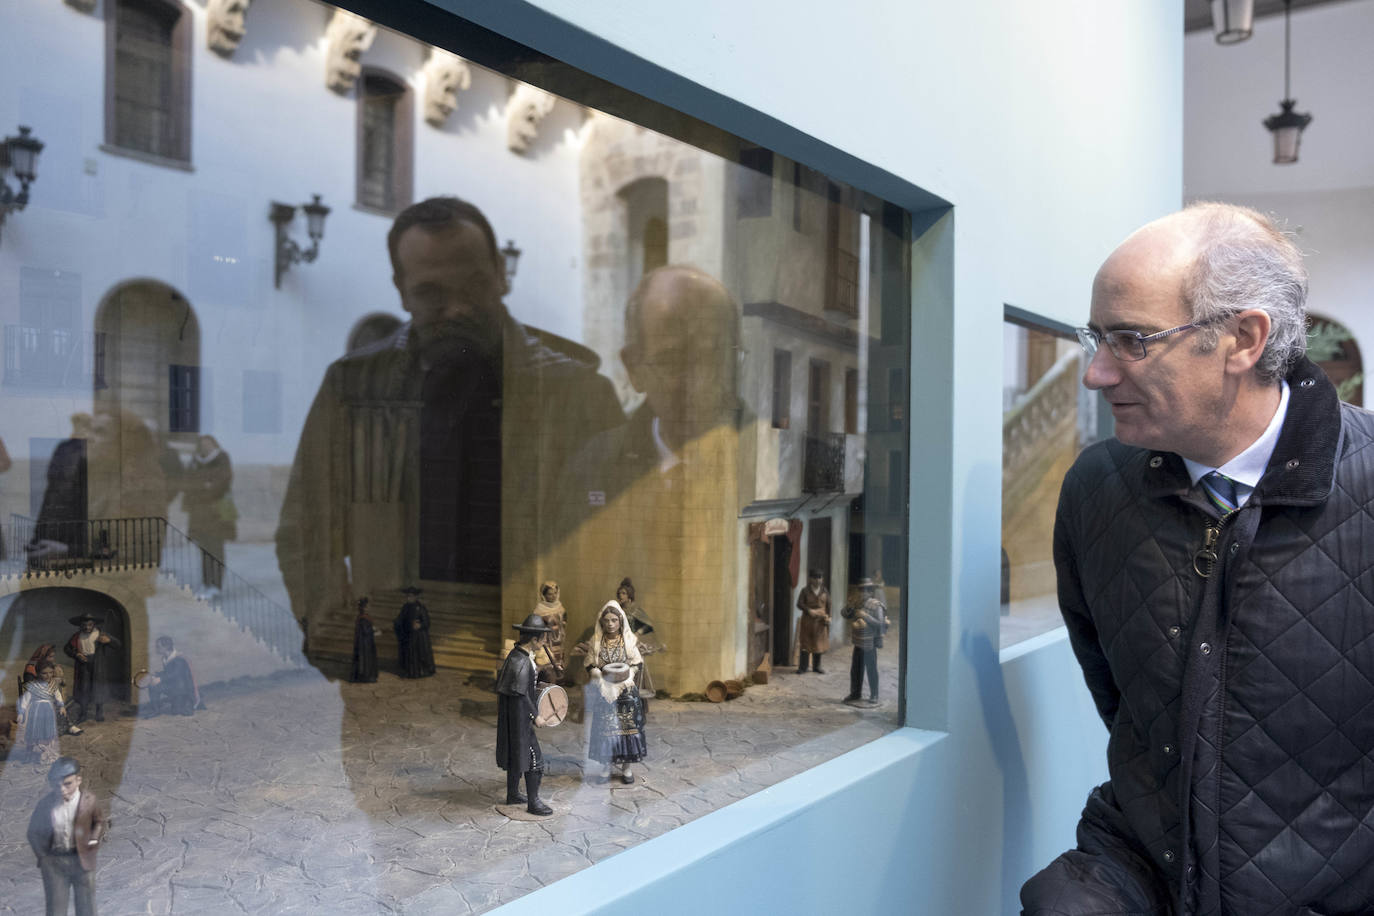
1287	126
1232	20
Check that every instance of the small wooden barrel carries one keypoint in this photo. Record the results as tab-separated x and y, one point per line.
715	691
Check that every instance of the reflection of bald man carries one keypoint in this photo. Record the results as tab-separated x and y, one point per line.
680	333
647	498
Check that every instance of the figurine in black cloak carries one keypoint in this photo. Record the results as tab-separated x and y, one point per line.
92	651
412	636
364	647
517	748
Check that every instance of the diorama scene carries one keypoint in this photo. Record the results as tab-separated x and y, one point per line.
417	485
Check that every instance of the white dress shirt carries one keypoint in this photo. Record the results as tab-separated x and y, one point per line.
1247	468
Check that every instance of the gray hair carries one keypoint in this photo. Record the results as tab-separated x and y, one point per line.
1245	262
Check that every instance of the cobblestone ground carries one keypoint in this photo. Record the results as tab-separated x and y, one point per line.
300	794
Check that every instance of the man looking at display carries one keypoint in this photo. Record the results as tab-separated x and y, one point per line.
1214	574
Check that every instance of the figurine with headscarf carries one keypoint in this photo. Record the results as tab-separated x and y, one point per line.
550	657
613	661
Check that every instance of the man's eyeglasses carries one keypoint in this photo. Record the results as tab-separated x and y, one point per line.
1125	345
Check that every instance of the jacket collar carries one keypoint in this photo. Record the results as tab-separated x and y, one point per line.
1301	470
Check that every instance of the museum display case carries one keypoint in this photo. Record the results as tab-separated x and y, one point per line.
384	412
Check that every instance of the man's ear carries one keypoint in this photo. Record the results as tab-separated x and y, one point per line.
632	370
1252	333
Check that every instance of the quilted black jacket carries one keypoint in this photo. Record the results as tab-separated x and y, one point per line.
1240	704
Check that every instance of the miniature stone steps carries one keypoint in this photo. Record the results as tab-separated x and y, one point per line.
465	629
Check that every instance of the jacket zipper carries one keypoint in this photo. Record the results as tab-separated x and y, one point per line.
1205	557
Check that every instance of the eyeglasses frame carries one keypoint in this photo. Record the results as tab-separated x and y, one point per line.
1091	341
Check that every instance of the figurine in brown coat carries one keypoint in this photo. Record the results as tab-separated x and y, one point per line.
64	832
813	631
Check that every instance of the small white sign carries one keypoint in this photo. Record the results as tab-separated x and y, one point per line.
596	497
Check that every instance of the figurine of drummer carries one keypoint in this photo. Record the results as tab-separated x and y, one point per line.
517	748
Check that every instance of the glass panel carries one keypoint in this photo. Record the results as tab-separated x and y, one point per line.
620	358
1047	418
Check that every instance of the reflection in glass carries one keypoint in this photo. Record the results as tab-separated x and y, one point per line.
1047	418
314	519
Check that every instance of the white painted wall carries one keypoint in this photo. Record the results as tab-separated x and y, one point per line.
264	128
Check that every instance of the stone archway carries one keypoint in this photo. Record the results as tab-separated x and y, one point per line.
150	394
35	616
151	366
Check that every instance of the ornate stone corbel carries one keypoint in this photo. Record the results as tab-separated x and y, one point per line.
528	106
346	38
224	25
445	75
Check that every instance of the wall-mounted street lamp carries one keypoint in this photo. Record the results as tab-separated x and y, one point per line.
20	155
288	252
1287	126
511	254
1232	20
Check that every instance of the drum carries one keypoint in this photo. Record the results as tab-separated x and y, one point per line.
616	672
143	680
553	706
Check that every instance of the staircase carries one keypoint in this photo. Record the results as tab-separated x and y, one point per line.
464	627
64	550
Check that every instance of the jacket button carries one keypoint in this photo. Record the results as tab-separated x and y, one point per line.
1168	749
1189	872
1168	855
1173	632
1307	383
1292	464
1205	648
1234	548
1156	461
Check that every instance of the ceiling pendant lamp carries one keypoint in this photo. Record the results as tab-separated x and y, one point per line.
1232	20
1287	126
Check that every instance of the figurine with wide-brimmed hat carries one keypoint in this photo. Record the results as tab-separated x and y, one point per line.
867	623
517	687
93	653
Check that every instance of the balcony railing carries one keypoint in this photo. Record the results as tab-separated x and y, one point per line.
823	471
68	548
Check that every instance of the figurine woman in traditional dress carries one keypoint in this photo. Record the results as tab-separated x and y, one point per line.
617	731
642	627
556	619
39	708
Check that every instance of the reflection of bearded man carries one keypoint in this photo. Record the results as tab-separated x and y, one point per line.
424	449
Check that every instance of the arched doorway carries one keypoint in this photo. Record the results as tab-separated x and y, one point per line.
151	365
43	615
150	395
1331	346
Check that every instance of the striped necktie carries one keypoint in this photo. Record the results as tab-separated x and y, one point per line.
1222	491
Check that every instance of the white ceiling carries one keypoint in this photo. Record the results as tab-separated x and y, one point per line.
1230	89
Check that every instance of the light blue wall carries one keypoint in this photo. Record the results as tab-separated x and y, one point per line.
1054	129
